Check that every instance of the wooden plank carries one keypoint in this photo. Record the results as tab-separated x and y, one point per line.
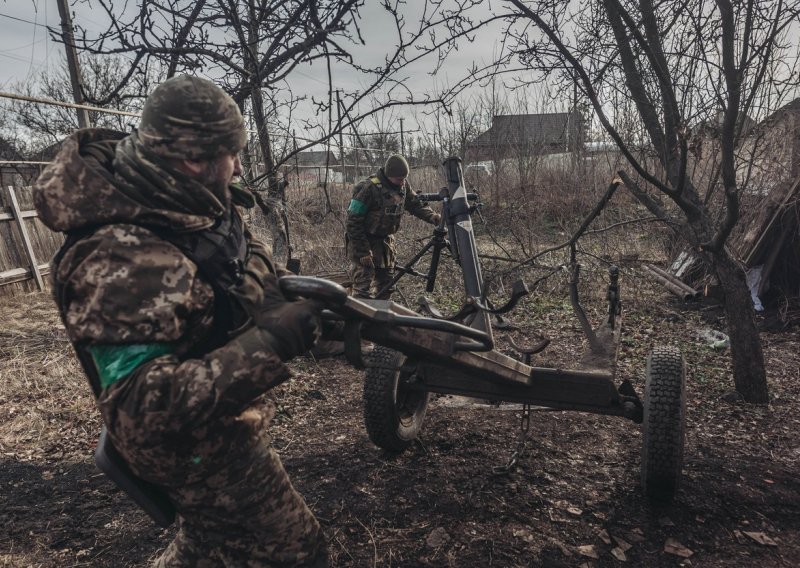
21	274
25	238
758	240
24	214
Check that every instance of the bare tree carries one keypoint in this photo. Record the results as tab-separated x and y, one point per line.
100	76
680	63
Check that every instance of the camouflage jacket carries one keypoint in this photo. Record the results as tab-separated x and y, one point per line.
376	210
177	414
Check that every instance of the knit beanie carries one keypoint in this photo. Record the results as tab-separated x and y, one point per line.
191	118
396	166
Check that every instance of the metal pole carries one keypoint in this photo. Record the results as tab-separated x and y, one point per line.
72	61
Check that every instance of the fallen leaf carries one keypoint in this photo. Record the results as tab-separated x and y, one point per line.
437	537
624	546
524	534
636	535
761	538
666	522
619	554
568	507
563	547
603	534
672	546
588	550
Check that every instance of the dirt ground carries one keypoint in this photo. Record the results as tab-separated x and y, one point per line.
572	498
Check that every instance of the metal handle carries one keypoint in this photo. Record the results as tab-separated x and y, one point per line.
336	299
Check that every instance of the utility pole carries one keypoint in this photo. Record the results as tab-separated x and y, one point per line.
296	157
354	138
341	138
402	139
72	61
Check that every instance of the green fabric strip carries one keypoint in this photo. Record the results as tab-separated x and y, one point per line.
115	362
357	207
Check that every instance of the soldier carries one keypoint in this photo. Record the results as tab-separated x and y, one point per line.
373	218
176	315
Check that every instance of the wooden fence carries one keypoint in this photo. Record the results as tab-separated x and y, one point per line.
26	245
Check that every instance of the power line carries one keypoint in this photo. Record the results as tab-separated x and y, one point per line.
37	42
16	57
25	21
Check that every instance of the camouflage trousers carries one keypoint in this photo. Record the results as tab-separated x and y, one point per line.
363	277
247	515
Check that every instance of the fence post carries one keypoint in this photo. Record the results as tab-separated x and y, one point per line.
17	212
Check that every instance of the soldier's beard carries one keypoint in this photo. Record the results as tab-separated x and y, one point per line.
212	178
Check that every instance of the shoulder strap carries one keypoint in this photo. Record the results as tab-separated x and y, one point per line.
220	254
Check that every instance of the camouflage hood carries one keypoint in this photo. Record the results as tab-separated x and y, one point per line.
102	176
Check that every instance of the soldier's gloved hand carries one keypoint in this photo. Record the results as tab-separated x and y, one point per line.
294	327
436	218
366	261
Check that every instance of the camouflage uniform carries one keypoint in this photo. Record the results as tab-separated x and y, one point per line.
373	218
185	405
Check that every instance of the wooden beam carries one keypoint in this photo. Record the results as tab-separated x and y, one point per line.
24	214
25	238
21	274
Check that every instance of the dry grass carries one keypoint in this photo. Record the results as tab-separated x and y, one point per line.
41	384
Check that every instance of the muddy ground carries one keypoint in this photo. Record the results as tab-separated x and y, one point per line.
572	498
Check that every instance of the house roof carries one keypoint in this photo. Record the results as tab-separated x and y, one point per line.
557	128
316	158
793	106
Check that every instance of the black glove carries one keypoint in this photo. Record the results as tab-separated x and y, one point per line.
293	326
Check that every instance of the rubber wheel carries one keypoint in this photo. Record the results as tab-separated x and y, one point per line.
393	414
664	423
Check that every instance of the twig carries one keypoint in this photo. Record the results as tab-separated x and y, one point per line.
612	187
621	223
594	343
372	540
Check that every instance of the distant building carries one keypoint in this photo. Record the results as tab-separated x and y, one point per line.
529	134
315	167
320	158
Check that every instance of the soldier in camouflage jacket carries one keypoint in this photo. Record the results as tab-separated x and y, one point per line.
373	218
175	312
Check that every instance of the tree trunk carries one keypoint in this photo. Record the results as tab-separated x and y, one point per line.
747	357
275	212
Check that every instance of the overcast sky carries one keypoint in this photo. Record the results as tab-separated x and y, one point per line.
26	49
